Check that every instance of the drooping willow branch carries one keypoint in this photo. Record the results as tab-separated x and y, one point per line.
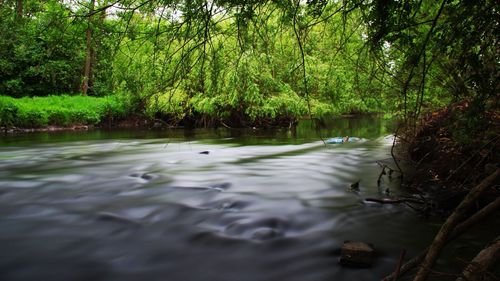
417	60
302	55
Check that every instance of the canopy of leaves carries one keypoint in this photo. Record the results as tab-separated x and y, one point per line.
250	60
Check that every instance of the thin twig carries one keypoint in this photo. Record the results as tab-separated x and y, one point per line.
400	262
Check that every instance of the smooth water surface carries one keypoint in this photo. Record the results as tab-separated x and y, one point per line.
255	205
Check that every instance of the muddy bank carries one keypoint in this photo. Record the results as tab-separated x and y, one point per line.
448	158
47	129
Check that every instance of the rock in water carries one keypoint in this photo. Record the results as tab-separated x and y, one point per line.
355	186
357	254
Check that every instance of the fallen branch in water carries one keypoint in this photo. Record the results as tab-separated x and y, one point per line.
224	124
400	263
394	201
392	152
459	230
381	174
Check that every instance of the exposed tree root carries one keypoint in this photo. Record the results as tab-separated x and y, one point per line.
452	221
459	230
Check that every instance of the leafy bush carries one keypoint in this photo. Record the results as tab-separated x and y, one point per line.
172	103
58	116
32	118
113	108
59	110
8	112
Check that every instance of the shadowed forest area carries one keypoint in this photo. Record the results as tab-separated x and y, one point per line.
432	65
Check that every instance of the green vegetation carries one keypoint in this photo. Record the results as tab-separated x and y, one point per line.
246	63
35	112
263	63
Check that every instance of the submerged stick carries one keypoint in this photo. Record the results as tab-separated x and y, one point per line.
381	174
400	262
394	201
392	152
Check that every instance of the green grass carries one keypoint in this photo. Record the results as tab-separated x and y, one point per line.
36	112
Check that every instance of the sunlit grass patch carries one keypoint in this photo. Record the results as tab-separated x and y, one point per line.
35	112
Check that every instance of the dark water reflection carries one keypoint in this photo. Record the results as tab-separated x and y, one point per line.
370	127
261	205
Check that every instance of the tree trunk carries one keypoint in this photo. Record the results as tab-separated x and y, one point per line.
19	8
102	15
478	267
453	220
87	72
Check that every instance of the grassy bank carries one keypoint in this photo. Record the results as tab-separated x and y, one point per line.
37	112
162	110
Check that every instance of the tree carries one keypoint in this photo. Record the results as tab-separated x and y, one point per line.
89	50
41	54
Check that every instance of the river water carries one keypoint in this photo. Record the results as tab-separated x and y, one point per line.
185	205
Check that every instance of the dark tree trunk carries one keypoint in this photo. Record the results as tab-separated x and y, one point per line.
87	72
19	8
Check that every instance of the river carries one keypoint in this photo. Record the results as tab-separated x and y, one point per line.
182	205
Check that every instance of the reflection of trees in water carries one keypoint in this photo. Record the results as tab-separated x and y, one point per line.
366	126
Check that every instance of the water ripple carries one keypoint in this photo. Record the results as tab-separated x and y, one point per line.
152	210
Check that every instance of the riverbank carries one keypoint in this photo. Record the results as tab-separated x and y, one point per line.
57	113
449	157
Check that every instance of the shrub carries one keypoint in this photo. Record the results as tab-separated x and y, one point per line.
173	103
58	116
62	110
8	112
32	118
85	116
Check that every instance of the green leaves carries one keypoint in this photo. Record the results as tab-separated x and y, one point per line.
8	113
40	54
241	59
58	111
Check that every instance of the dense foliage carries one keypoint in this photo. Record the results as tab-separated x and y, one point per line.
34	112
254	62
